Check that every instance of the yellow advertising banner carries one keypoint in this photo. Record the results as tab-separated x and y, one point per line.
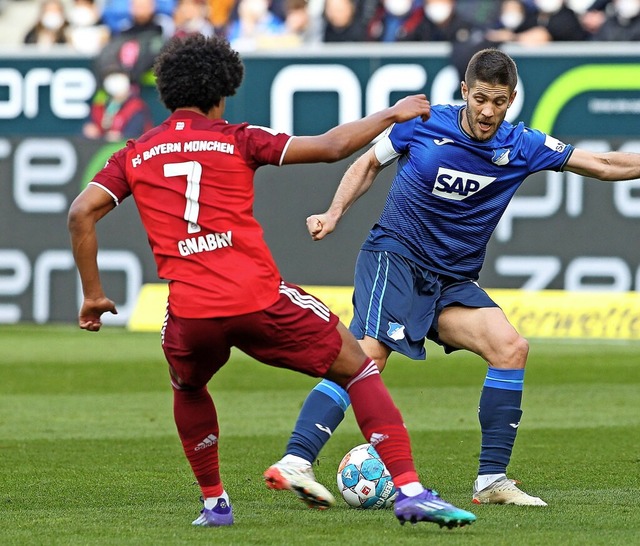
581	315
543	314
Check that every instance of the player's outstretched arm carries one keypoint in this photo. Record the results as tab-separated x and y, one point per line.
607	166
84	213
348	138
355	182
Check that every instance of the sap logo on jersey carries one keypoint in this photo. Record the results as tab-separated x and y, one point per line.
458	185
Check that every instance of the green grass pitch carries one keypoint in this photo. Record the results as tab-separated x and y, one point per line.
89	453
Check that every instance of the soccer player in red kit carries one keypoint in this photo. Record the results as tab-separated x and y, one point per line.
192	180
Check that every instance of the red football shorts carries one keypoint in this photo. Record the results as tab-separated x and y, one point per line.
297	332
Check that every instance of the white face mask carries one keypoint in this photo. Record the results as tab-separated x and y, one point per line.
82	17
256	8
627	9
52	21
549	6
579	6
397	8
511	19
438	12
117	85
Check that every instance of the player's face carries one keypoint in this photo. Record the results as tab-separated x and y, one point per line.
486	108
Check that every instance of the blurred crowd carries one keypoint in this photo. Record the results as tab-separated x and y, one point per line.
89	25
124	36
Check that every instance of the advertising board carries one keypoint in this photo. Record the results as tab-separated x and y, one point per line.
561	231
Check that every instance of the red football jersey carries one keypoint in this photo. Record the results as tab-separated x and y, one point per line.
192	180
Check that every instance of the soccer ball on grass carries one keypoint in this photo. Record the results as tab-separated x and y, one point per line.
363	479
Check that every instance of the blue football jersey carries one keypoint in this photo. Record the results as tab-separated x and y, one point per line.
450	190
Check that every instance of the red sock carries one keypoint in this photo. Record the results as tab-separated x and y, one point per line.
197	422
381	423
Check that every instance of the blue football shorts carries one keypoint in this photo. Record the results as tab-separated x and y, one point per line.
397	301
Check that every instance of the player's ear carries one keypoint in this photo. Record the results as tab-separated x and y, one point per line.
464	90
512	98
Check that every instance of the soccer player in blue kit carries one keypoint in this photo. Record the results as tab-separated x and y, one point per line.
416	273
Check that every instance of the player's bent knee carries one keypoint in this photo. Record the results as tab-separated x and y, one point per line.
522	350
514	353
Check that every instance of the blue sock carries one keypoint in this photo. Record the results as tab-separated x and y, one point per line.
321	413
499	414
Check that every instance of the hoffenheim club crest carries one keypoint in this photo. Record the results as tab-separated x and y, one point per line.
501	156
396	331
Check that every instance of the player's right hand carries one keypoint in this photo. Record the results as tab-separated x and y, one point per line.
91	311
320	225
411	107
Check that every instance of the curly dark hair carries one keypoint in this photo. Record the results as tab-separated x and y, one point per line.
195	71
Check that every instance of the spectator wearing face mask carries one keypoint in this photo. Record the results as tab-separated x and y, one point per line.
51	26
393	20
515	17
117	112
440	21
87	34
555	22
623	24
135	48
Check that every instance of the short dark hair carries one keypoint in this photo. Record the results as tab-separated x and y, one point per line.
195	71
492	66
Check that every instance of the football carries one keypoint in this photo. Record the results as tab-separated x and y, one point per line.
364	481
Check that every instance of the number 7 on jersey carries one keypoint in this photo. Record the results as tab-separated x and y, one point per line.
193	171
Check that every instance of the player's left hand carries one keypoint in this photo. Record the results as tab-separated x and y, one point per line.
411	107
91	311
